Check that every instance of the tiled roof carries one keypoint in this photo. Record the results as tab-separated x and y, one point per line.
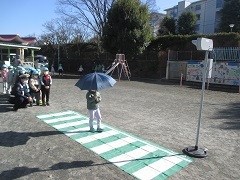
15	38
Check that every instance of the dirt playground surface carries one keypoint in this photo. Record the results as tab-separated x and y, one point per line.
161	112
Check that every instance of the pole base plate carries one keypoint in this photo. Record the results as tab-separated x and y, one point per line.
196	152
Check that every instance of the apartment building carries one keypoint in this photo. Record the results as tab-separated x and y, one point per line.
155	20
207	11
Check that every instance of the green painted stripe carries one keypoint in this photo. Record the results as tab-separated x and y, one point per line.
40	116
168	151
85	134
99	142
73	127
67	121
146	160
124	149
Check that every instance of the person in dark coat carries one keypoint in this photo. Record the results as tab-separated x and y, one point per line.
46	82
22	96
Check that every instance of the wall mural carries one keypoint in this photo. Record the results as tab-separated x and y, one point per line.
222	72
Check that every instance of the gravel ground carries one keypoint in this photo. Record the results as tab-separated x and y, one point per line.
161	112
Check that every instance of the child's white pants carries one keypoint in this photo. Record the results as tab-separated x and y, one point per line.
95	113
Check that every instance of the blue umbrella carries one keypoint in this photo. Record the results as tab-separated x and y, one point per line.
95	81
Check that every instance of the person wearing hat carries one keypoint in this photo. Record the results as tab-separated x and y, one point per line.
22	96
46	82
4	78
10	79
35	87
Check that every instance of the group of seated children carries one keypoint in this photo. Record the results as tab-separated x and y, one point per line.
26	87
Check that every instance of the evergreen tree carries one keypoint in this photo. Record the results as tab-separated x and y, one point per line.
127	29
187	23
167	26
230	14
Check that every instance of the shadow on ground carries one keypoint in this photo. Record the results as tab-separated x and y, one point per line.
11	138
18	172
232	116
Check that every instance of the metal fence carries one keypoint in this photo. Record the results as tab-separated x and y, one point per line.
226	54
218	54
177	60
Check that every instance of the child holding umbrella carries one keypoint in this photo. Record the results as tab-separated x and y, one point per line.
93	99
94	82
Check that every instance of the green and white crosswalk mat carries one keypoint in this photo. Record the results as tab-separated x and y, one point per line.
140	158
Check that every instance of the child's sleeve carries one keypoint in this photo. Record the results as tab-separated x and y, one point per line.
31	84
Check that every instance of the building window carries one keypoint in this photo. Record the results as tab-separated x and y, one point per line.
219	3
217	20
197	27
198	16
198	7
173	13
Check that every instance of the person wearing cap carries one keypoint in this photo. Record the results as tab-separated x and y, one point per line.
4	78
22	96
46	82
35	87
10	79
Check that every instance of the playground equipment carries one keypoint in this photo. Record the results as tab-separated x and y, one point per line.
122	62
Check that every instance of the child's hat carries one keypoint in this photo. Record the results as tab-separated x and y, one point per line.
4	66
45	69
24	76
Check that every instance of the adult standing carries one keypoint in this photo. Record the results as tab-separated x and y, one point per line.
22	96
60	70
17	62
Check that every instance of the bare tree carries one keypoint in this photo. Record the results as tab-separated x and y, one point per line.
64	30
152	6
92	14
60	32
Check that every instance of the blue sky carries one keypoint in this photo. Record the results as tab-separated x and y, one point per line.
26	17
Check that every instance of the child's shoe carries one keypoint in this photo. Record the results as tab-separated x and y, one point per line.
99	130
92	130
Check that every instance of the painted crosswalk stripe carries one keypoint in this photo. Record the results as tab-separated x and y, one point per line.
153	170
63	119
60	126
96	136
138	157
112	145
54	114
132	155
